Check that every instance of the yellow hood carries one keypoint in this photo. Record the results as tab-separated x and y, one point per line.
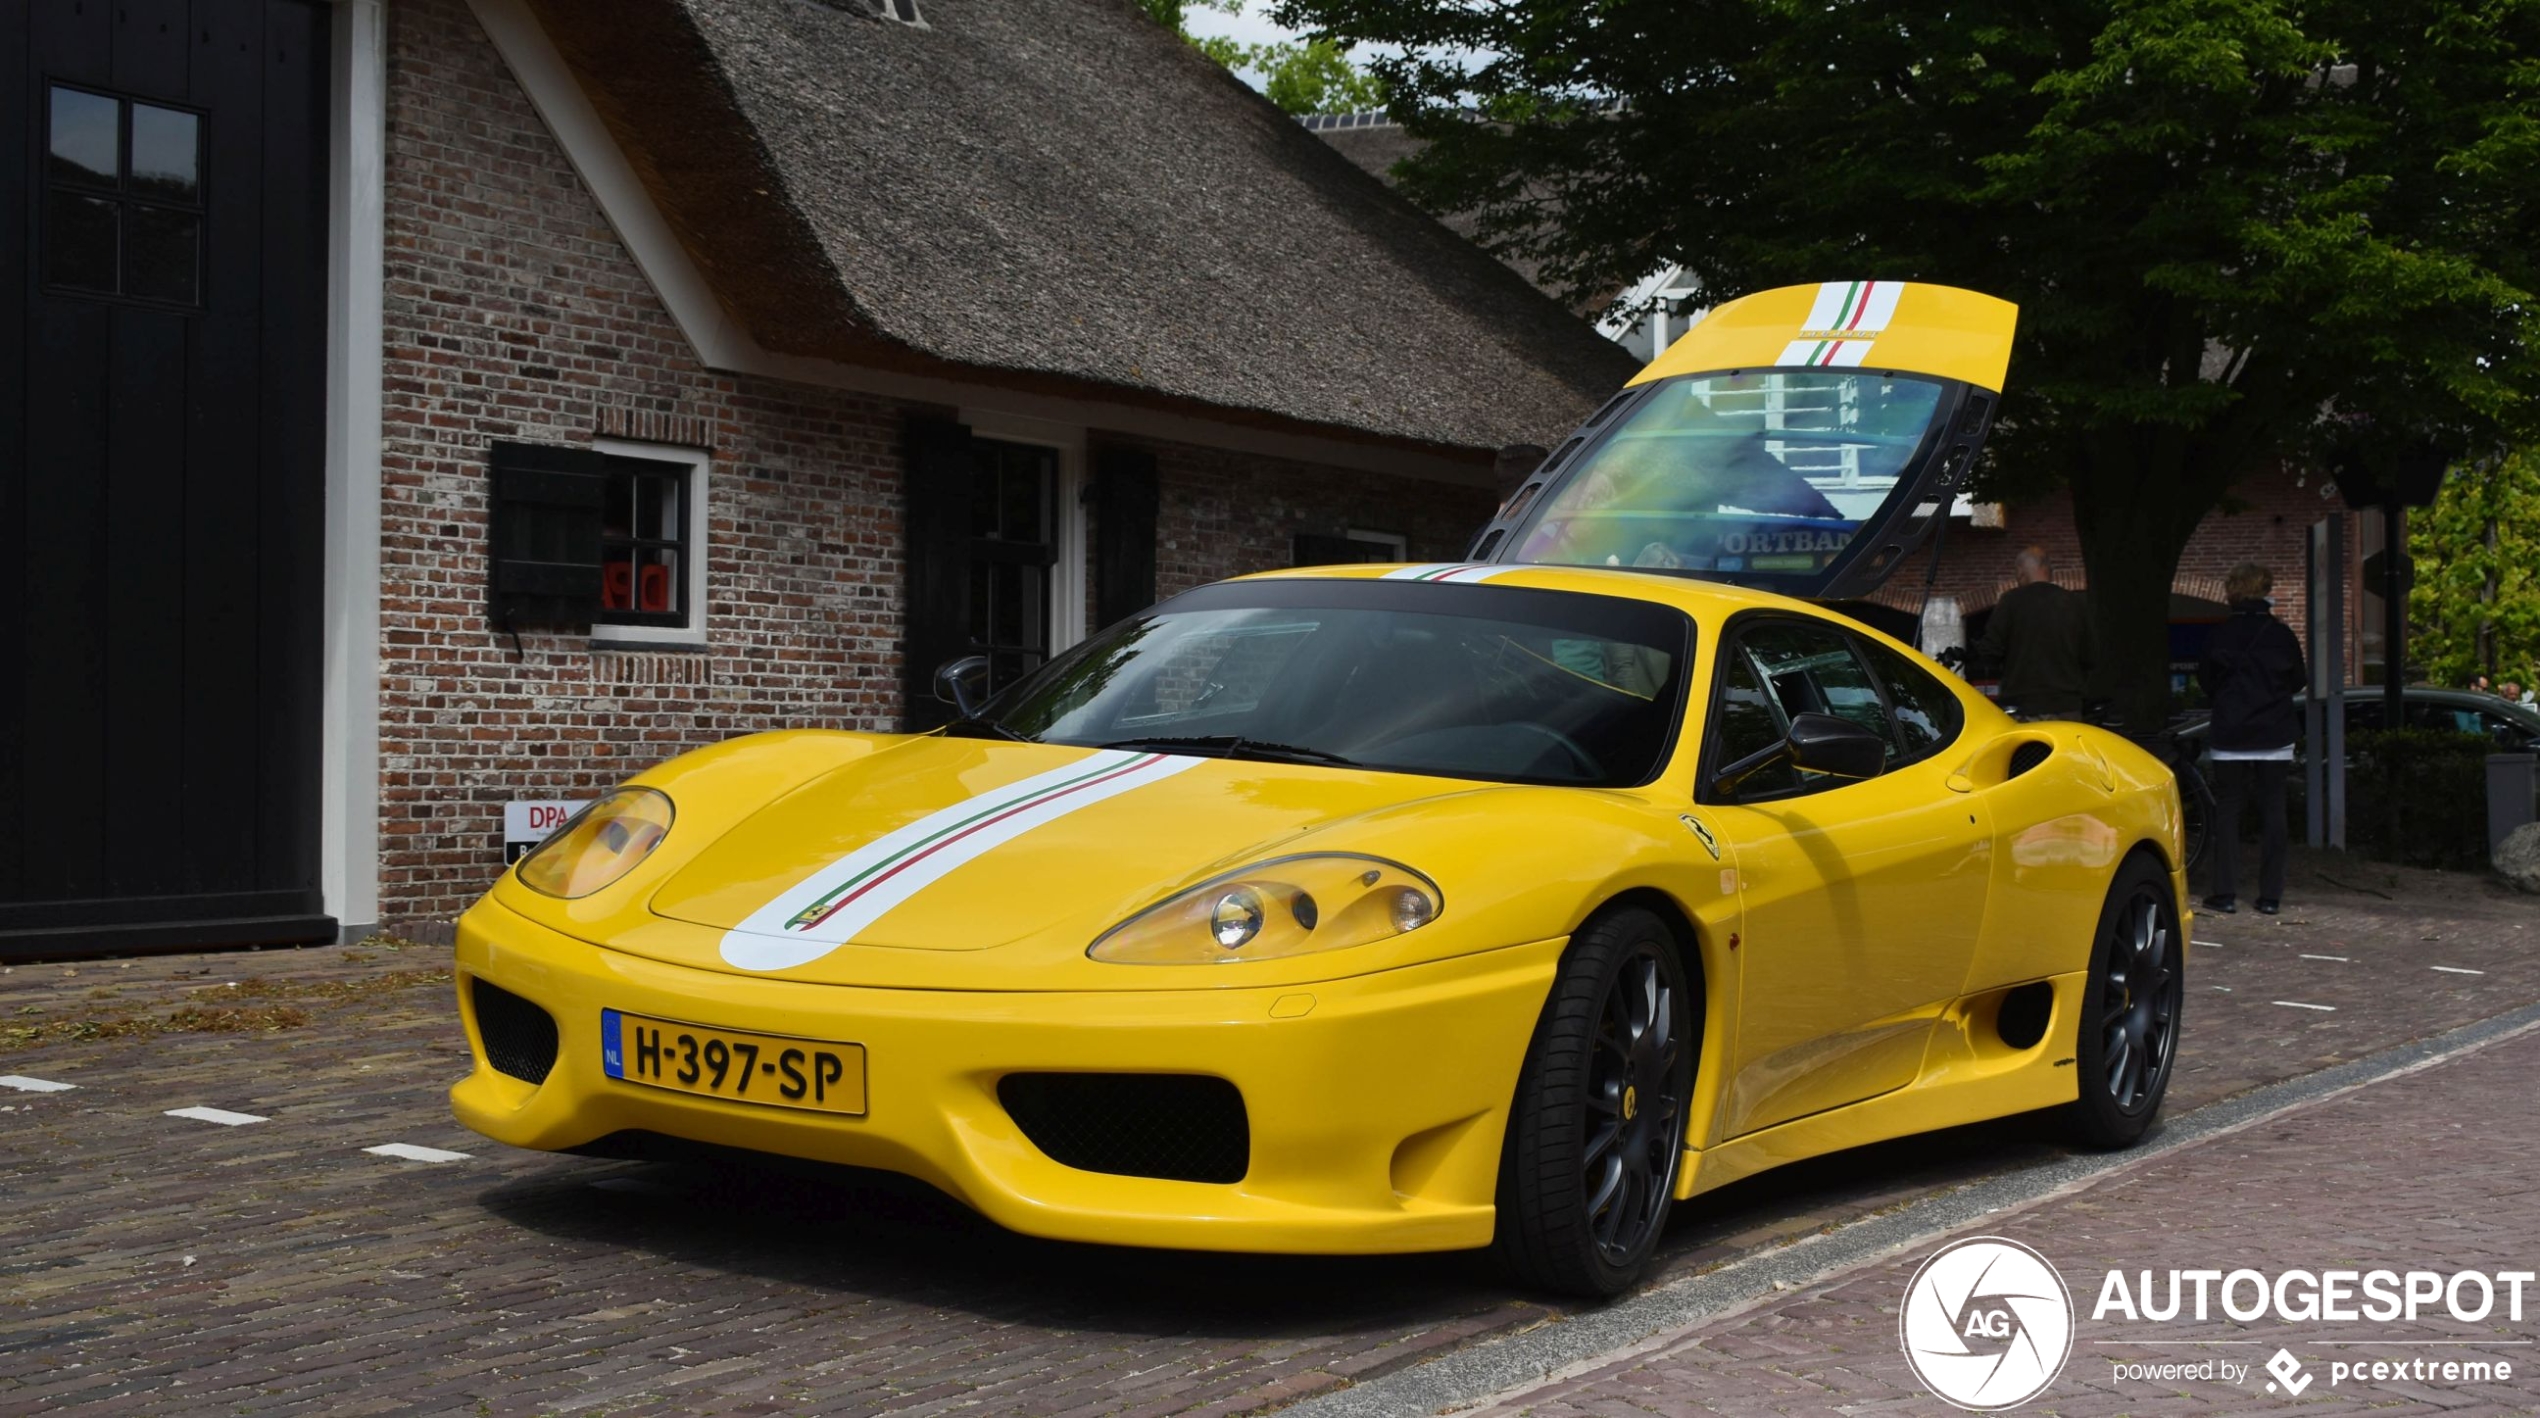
942	844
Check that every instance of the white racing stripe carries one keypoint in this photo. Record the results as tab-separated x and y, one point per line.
832	905
409	1152
222	1116
24	1084
1826	353
1463	572
1854	307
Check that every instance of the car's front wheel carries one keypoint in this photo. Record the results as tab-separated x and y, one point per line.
1588	1170
2130	1008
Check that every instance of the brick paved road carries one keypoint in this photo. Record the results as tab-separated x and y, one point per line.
2426	1171
153	1263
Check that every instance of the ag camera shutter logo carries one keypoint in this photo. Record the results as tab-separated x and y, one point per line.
1987	1324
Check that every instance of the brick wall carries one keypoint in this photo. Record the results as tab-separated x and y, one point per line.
1223	514
513	312
2271	527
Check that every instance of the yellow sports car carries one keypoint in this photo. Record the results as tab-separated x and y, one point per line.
1368	909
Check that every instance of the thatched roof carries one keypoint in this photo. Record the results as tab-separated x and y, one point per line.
1061	191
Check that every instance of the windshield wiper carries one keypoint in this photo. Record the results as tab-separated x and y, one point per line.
1237	746
984	729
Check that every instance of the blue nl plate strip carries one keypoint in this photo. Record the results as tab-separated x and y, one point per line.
611	1058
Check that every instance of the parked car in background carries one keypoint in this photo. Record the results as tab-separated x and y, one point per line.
2513	727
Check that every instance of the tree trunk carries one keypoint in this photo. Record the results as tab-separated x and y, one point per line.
2128	515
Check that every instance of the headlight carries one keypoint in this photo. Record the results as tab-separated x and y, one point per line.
599	844
1291	906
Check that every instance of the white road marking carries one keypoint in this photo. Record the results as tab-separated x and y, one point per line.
222	1116
24	1084
2340	959
407	1151
2446	969
2207	944
2226	989
2297	1004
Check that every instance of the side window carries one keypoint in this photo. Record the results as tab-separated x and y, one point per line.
1927	714
1775	669
1748	721
1811	669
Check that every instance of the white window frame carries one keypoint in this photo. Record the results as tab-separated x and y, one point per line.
1067	608
698	462
1398	543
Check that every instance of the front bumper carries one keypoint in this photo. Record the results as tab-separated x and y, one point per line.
1376	1103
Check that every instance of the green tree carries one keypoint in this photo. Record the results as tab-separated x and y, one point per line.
1310	75
2475	609
2220	218
1302	76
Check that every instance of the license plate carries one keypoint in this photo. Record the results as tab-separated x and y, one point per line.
773	1069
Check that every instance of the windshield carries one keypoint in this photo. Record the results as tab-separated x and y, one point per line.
1499	683
1759	475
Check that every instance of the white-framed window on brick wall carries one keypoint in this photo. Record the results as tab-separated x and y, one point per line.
653	551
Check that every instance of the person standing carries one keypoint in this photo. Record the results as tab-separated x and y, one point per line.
2251	671
2039	635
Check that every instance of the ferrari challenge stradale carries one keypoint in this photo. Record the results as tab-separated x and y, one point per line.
1371	909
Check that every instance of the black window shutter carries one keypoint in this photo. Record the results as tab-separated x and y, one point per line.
544	534
1126	499
936	513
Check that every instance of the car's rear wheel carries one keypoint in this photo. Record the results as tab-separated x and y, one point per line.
2130	1008
1588	1170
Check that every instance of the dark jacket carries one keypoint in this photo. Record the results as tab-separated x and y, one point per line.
2040	636
2252	670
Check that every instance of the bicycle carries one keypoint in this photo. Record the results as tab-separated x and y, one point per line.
2181	754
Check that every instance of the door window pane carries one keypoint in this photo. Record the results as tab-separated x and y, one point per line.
124	203
79	243
1749	724
161	254
83	137
1927	714
1789	668
166	153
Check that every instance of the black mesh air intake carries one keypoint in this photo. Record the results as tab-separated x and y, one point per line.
1182	1127
519	1037
2029	755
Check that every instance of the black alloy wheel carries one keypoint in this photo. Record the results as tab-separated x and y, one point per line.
1588	1170
2130	1008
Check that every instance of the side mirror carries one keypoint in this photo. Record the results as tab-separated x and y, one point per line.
1819	743
1825	743
957	683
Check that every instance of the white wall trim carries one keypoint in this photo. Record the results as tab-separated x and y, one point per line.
1067	591
699	464
723	344
348	864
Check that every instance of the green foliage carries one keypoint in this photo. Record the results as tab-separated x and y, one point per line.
2219	217
2442	792
1312	75
2476	605
1309	76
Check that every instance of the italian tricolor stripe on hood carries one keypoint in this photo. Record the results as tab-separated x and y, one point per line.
828	908
1853	307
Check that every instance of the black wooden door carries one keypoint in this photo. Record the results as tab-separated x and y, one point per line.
162	484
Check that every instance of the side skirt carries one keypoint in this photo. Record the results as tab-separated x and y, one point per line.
1969	1074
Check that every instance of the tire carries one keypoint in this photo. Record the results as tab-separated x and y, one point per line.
2130	1006
1587	1172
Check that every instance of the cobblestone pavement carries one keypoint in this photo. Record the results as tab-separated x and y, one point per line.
158	1263
2427	1171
